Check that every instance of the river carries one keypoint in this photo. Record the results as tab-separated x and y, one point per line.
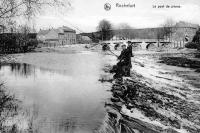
58	92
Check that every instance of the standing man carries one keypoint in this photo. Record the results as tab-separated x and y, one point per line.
120	68
123	60
130	48
129	55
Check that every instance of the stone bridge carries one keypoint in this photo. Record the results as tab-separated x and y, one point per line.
143	43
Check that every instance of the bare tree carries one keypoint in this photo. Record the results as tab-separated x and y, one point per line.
160	34
105	29
124	26
125	30
27	8
168	28
11	10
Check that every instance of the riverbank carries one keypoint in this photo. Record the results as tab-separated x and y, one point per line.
13	58
10	58
163	96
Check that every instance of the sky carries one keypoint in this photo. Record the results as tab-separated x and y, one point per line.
84	15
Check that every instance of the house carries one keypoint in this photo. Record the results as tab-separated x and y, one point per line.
66	35
81	39
41	35
57	37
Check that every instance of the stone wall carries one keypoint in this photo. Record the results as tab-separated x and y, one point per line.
180	33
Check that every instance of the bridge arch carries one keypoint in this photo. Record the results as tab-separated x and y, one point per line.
148	45
143	44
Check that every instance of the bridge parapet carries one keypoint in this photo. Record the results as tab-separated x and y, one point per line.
145	43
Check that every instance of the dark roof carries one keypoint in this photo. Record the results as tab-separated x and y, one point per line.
43	32
59	30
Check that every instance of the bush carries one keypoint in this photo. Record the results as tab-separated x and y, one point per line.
32	42
192	45
196	38
8	108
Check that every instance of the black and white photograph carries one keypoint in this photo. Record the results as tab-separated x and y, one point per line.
99	66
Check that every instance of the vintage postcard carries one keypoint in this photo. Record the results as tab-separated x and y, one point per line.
99	66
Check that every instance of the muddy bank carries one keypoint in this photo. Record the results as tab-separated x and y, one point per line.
181	62
138	106
158	98
14	58
10	58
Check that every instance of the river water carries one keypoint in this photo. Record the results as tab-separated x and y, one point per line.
68	98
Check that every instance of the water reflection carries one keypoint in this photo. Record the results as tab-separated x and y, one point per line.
44	112
19	69
56	101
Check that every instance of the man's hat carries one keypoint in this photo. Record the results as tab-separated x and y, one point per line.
129	42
